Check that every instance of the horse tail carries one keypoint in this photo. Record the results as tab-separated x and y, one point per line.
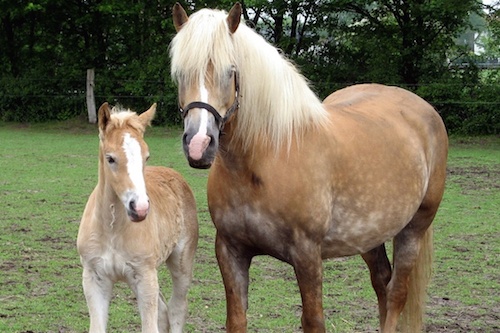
413	312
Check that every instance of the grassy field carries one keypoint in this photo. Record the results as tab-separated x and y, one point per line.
48	171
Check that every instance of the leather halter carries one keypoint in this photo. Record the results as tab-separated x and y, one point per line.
218	118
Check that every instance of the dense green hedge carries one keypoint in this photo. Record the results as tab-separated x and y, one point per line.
46	48
470	108
467	108
38	100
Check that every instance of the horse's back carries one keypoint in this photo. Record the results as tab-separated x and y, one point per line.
395	116
380	104
172	202
169	193
165	180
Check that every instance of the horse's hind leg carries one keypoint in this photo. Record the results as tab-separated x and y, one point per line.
180	264
411	273
163	321
380	274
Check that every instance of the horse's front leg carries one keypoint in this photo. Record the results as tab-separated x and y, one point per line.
308	266
144	283
234	265
98	291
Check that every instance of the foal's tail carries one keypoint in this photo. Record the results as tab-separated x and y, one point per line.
413	312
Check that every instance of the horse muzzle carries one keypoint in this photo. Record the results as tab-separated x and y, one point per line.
200	148
137	211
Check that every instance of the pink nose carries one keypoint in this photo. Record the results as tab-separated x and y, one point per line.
137	212
198	145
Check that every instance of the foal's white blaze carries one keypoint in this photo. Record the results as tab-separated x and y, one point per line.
137	194
200	140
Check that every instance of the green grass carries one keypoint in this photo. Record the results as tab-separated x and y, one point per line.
47	172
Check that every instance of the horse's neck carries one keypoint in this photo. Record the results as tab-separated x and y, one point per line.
232	153
230	147
109	207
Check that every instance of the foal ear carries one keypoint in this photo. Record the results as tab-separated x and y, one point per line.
234	16
147	116
179	16
104	114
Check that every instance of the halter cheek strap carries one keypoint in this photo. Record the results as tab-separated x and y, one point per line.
218	118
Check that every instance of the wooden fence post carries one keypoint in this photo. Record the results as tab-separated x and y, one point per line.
90	96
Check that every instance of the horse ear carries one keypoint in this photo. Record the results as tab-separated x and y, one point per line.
179	16
147	116
104	114
234	16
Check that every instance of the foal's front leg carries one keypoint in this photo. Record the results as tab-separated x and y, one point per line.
144	283
234	265
98	291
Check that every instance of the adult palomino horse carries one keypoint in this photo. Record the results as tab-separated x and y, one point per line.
136	218
302	180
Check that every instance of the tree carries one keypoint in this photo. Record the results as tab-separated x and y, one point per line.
46	47
49	45
492	39
410	35
388	41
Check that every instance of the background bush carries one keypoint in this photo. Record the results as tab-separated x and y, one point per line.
47	47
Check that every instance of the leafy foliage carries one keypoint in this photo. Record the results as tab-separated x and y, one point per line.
47	46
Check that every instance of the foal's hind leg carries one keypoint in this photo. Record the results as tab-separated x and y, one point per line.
380	274
180	264
163	323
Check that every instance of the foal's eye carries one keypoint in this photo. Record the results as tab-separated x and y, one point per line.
147	158
110	159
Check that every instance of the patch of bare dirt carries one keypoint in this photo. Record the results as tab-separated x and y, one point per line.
458	318
476	178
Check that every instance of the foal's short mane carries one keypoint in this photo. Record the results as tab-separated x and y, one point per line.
276	102
122	118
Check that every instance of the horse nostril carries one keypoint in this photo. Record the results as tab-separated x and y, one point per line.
131	205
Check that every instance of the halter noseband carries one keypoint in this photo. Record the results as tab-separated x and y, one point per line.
218	118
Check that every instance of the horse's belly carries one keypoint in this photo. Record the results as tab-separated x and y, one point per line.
351	234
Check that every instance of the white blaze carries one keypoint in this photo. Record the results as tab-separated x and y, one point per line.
204	113
133	152
200	141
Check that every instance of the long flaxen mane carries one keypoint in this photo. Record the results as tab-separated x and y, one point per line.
276	102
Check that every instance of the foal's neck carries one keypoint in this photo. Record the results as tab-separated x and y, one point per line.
109	207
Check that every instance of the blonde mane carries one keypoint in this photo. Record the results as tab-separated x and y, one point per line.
121	118
276	102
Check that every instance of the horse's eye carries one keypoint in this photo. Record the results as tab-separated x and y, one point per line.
147	158
110	159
